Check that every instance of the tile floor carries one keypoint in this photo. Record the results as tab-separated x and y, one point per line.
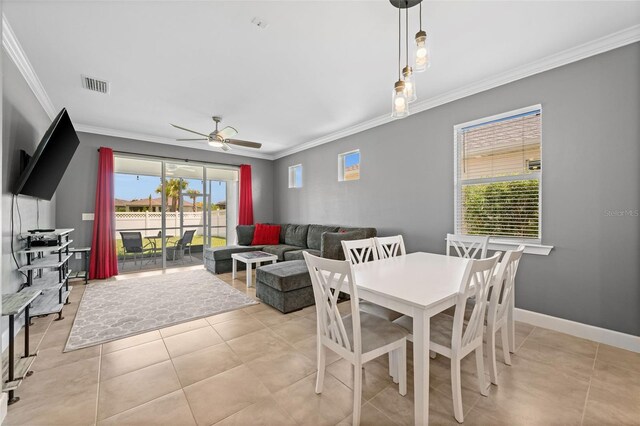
257	367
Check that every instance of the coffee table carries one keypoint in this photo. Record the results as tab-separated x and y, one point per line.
250	258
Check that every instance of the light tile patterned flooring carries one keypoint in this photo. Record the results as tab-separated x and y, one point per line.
257	366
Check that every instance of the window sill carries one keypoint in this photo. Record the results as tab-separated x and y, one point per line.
529	248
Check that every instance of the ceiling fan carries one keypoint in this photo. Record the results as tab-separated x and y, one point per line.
220	138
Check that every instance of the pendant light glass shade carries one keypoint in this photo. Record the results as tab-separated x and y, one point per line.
409	84
399	102
423	57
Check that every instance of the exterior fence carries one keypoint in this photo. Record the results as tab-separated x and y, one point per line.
149	223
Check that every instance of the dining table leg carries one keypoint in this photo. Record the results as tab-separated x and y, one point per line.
421	323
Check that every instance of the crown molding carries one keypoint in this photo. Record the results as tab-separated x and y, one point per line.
583	51
17	55
597	46
166	141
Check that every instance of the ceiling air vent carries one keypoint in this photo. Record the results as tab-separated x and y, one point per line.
95	84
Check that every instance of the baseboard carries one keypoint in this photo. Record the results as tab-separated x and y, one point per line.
585	331
4	399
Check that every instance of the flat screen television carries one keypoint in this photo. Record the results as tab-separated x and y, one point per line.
44	170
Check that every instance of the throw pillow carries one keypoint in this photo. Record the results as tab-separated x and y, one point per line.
331	246
266	235
245	234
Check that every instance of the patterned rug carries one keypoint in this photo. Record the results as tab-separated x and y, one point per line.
113	310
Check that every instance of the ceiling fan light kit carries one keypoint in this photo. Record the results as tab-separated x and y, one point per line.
406	81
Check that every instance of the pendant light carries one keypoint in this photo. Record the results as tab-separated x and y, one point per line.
407	72
399	102
423	56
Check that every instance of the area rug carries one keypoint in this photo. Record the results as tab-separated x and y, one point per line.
113	310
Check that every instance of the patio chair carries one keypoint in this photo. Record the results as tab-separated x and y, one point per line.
183	244
132	244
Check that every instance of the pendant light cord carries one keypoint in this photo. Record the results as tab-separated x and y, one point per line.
399	44
406	35
420	16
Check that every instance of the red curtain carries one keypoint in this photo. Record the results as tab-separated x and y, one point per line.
104	260
246	197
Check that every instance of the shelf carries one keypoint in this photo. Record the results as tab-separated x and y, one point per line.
46	249
22	366
11	386
77	275
15	303
49	303
79	249
46	263
56	232
49	281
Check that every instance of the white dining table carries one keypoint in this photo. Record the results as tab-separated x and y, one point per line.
419	285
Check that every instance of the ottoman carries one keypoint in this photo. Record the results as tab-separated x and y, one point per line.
285	286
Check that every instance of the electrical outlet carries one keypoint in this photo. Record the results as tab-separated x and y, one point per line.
78	255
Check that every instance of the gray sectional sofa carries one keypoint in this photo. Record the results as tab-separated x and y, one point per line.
286	285
294	239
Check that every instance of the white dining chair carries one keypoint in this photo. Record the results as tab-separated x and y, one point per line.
500	304
360	251
357	337
467	246
456	338
390	246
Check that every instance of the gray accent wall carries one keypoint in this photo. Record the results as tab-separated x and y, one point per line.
77	190
24	124
590	162
24	121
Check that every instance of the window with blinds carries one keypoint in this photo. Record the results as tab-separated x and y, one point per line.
497	178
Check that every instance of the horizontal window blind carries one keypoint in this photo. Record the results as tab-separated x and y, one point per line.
498	173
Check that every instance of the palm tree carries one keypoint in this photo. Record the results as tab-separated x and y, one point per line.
173	188
193	194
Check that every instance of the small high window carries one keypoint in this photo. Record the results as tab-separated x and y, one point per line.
349	165
295	176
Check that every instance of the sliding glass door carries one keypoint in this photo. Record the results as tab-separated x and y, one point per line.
168	212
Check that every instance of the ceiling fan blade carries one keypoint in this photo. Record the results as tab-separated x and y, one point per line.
227	132
189	130
196	139
246	144
225	147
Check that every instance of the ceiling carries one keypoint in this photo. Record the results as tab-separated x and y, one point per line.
318	68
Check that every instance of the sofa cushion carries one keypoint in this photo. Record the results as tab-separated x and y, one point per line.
314	235
296	235
283	232
266	235
285	276
368	232
279	250
245	234
331	247
297	254
224	253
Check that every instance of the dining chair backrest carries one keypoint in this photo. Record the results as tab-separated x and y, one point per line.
504	285
360	251
131	241
467	246
475	284
328	278
390	246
